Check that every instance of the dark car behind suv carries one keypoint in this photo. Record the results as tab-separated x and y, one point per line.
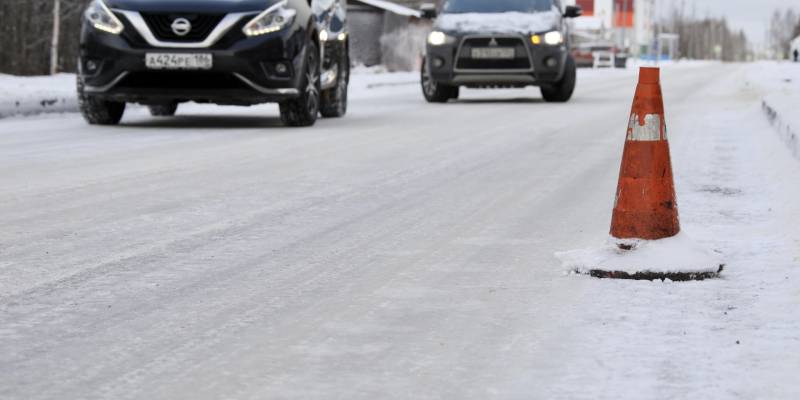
500	43
234	52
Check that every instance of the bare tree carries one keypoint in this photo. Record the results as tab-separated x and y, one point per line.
707	38
39	36
55	37
784	26
796	32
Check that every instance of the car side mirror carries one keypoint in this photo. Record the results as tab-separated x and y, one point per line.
428	11
573	12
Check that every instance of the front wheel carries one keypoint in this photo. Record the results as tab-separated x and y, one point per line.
334	100
96	111
303	110
562	91
433	91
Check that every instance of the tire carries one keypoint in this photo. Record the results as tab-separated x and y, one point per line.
163	110
435	92
303	110
333	102
562	91
96	111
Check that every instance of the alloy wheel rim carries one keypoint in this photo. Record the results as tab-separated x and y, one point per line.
312	89
427	81
343	91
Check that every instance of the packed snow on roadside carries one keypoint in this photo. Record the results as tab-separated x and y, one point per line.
782	100
20	96
37	94
671	255
363	78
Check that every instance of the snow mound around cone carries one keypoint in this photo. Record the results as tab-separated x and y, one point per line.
676	255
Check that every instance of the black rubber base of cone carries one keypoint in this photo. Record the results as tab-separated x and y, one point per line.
656	276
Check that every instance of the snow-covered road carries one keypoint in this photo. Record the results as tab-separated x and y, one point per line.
403	252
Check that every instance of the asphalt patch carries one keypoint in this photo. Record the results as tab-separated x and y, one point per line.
723	191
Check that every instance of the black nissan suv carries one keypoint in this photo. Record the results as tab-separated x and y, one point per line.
161	53
499	43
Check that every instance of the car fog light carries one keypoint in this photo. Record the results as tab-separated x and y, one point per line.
438	62
91	66
281	68
551	62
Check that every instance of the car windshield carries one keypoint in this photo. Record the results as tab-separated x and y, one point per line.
497	6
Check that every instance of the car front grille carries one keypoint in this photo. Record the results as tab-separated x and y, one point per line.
521	61
202	26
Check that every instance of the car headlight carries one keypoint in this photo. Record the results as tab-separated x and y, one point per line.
437	38
100	16
553	38
325	36
271	20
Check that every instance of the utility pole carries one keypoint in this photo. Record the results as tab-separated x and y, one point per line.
625	26
658	34
56	33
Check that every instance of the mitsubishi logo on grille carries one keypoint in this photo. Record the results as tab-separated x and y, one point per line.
181	26
493	42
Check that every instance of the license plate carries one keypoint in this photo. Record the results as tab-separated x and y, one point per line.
493	52
179	61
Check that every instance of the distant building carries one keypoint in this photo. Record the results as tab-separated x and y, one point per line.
389	33
630	24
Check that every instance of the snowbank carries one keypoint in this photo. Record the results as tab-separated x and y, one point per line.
671	64
37	95
677	254
782	87
54	94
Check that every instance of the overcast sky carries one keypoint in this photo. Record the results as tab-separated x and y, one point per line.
751	15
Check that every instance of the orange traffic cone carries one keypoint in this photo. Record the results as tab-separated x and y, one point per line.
646	243
645	206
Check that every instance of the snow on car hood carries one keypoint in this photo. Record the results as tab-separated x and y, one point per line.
508	22
180	6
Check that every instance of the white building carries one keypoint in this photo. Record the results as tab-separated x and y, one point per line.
630	24
644	29
389	33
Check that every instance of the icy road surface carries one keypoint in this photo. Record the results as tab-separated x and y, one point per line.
404	252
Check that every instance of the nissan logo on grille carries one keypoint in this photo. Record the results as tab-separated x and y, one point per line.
181	26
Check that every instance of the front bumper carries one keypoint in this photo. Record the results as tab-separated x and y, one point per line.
244	69
545	65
